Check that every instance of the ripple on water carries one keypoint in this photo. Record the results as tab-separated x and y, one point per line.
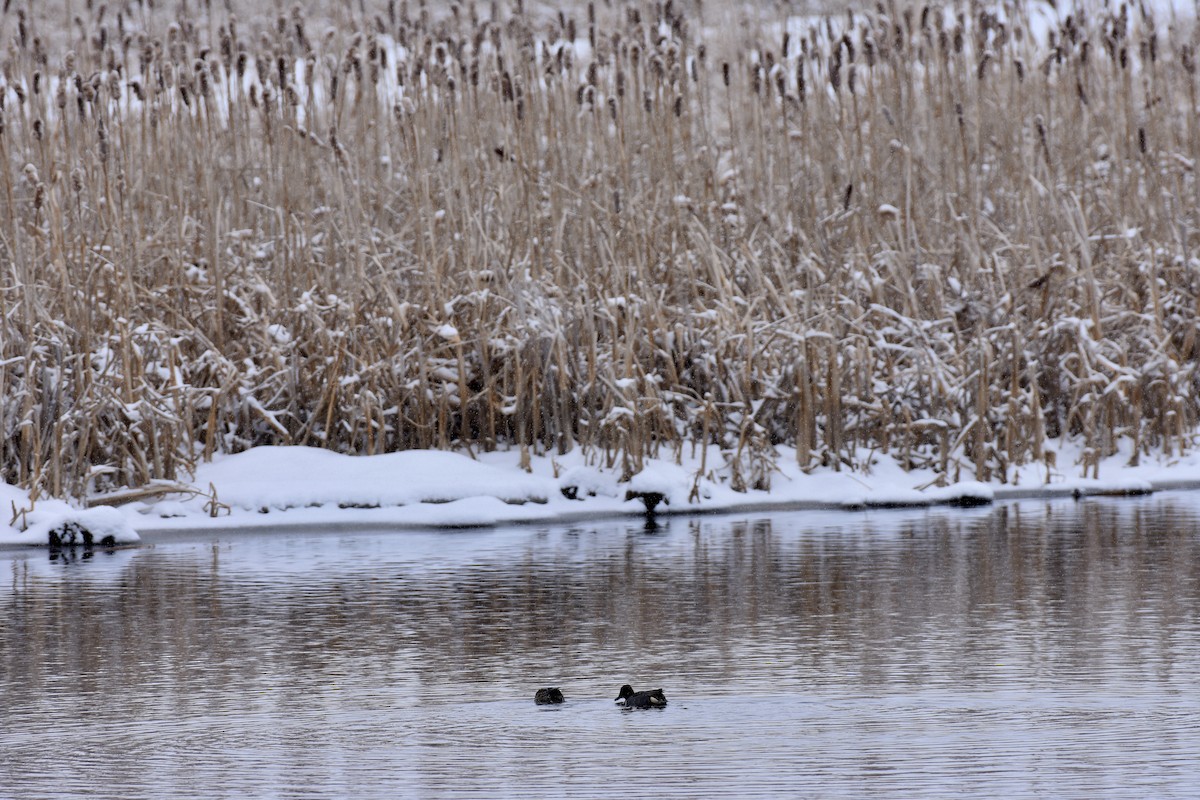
1038	650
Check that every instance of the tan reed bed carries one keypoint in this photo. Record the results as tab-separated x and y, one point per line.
633	230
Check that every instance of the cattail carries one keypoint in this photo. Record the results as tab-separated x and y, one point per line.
1141	140
725	73
983	63
201	70
102	137
1041	132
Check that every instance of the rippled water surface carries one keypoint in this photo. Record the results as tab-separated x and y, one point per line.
1031	650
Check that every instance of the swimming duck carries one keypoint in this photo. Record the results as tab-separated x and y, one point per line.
630	699
548	696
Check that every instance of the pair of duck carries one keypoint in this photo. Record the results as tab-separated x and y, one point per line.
627	697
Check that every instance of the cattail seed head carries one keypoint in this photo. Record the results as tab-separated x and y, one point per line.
983	64
1187	59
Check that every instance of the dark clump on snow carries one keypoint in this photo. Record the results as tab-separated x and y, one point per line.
72	534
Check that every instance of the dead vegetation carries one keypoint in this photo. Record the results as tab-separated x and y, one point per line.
922	231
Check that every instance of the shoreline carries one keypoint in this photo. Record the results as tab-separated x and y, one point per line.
298	489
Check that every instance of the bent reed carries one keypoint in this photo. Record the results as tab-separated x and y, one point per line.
937	233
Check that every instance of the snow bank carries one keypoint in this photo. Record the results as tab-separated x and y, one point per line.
308	487
46	521
280	478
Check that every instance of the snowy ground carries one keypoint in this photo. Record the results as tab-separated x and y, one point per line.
305	487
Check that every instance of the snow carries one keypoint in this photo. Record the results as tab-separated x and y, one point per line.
30	523
304	487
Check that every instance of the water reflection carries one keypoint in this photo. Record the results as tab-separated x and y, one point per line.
1030	649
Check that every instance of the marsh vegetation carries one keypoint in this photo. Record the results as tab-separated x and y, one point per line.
949	235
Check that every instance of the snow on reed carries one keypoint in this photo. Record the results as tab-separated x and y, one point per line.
628	230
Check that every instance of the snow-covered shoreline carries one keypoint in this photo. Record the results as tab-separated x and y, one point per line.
301	487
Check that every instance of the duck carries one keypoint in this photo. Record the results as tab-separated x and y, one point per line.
548	696
628	698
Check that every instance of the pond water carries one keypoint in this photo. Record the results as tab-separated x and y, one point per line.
1028	650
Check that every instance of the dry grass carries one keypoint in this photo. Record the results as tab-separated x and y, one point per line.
933	237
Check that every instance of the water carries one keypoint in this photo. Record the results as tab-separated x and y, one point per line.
1031	650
